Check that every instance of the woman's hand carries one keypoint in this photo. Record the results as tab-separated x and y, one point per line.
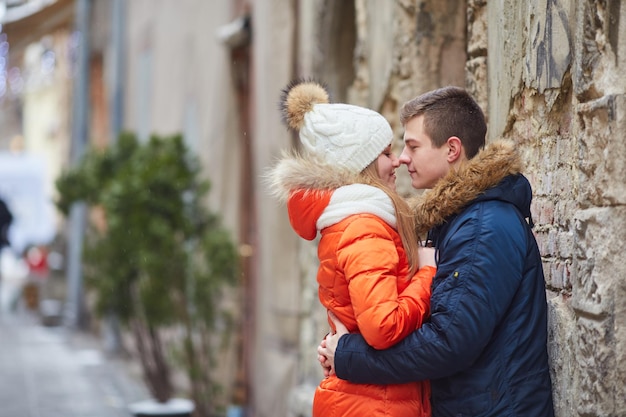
328	346
426	256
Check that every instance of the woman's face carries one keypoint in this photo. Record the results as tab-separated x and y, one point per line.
387	163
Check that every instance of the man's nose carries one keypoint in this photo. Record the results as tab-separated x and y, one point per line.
404	157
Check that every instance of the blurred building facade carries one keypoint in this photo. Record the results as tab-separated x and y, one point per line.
35	87
547	74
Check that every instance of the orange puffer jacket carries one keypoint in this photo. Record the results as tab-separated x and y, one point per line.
363	279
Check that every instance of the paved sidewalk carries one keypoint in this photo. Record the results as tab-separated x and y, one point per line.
56	372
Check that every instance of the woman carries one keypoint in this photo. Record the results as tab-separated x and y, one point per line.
343	186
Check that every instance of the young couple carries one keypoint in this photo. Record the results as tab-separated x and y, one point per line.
478	341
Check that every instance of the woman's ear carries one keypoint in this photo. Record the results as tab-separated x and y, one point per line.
455	149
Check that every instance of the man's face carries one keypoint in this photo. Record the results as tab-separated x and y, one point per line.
426	164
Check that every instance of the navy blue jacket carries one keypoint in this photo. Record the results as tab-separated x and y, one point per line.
485	347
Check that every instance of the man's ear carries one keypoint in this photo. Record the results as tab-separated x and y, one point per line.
455	149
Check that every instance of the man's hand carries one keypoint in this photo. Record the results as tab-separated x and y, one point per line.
326	349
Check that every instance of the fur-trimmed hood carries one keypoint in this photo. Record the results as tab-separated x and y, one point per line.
319	195
297	172
460	187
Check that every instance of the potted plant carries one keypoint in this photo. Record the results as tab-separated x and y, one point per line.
159	260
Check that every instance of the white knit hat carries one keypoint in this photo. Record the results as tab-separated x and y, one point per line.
348	136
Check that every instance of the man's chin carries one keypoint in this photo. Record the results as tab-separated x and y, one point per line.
420	185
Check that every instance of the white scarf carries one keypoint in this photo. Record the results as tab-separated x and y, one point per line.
357	199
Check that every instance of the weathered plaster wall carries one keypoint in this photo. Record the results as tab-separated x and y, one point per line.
275	358
178	81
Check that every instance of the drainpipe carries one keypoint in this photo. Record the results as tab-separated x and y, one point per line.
112	331
74	311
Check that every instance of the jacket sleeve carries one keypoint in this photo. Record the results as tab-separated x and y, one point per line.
369	257
479	270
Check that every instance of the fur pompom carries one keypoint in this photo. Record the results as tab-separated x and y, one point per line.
298	98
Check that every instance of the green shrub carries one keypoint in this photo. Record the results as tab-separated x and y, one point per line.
162	259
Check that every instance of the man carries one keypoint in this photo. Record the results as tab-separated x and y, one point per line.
485	347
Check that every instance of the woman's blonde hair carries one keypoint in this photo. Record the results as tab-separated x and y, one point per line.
405	222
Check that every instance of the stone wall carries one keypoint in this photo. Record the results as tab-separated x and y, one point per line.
549	74
558	94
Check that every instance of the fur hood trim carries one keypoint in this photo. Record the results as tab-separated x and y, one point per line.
460	187
294	172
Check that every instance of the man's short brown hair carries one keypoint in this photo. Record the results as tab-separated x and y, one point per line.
449	111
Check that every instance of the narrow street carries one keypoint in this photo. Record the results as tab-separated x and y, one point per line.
56	372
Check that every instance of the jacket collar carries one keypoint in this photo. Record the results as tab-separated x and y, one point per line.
464	185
